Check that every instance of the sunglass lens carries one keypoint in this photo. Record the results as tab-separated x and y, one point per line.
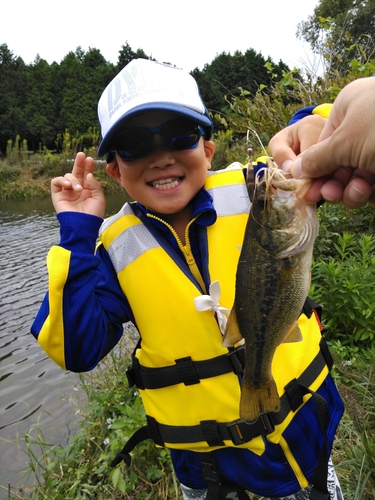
136	143
181	135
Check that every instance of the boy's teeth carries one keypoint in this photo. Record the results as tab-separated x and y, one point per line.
166	183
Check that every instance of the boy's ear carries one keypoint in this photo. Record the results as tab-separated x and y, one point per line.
113	169
209	149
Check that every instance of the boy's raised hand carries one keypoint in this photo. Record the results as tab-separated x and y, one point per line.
79	191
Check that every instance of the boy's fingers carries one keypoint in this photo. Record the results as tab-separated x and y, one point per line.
88	166
78	165
60	183
82	166
92	183
74	181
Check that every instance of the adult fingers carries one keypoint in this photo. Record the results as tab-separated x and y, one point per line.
316	161
296	138
359	190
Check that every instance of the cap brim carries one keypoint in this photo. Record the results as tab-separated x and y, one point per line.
105	146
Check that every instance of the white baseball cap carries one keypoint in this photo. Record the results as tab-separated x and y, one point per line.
144	85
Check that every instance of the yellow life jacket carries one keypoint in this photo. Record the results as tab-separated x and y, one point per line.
189	383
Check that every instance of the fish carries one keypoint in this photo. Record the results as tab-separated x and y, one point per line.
272	281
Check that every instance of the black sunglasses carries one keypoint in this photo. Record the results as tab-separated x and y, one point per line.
178	134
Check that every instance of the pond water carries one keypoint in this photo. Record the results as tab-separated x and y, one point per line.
34	391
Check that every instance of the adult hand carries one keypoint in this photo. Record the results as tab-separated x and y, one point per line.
293	140
343	161
79	191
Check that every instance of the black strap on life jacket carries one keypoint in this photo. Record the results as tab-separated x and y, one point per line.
185	370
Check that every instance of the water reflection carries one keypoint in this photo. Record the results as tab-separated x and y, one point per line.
33	390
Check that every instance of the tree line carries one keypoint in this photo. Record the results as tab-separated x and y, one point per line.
40	101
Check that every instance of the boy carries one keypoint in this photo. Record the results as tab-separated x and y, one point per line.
156	258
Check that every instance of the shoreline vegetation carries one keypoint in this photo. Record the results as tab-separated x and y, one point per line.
26	176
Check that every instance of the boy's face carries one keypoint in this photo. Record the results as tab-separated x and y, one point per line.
165	180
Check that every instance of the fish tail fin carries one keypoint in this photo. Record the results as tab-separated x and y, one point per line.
258	400
232	333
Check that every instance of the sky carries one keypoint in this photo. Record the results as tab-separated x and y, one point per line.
186	34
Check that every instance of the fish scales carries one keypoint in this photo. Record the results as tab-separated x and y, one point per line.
272	282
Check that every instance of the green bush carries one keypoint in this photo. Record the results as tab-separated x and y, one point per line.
9	173
343	273
344	284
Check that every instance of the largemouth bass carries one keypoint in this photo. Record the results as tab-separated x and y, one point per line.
272	281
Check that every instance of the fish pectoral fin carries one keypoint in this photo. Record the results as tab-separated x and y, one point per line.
232	333
294	334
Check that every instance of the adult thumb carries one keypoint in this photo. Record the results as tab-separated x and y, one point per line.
316	161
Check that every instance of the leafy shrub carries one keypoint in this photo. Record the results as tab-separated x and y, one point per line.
9	173
344	284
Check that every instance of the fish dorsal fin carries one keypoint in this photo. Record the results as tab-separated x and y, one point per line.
294	334
232	335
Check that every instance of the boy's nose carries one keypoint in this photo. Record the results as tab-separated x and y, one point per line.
160	155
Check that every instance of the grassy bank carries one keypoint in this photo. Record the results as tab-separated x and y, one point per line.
29	176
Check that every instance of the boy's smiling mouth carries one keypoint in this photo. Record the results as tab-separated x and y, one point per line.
165	184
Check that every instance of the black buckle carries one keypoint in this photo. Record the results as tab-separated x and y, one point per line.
242	432
268	424
235	432
210	473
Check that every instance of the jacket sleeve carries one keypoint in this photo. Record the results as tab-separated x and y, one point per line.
323	110
81	317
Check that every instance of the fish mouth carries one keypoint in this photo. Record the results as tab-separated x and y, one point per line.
275	180
166	184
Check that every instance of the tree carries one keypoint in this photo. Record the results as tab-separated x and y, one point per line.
13	92
228	74
341	30
85	75
41	107
126	54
